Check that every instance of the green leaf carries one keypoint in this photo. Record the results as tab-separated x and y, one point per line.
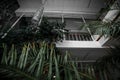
56	68
76	72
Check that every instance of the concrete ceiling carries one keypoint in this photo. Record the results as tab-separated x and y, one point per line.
69	8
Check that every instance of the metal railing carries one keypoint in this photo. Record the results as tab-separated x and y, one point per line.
78	36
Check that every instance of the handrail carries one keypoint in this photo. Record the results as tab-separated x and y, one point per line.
5	34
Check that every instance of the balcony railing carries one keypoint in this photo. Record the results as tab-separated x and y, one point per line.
78	36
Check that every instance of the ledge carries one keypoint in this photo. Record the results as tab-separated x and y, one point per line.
54	13
78	44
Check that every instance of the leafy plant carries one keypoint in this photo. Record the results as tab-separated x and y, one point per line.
110	62
104	29
112	59
38	61
97	27
48	31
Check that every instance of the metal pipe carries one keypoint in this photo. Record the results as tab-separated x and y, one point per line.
83	19
5	34
37	15
88	28
89	3
37	18
62	18
39	23
91	34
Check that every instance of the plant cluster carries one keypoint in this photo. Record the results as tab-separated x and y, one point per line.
110	63
47	31
36	62
109	29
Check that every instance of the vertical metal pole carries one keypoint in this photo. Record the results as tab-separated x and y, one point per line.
62	18
88	29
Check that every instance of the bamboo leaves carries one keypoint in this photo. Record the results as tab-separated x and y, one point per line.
37	62
4	57
57	69
23	57
76	72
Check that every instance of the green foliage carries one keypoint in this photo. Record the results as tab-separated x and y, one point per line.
38	61
115	29
103	28
112	59
97	27
110	63
47	31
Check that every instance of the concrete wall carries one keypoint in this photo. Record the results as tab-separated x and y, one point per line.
29	4
74	5
69	8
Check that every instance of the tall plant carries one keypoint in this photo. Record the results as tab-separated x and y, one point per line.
111	59
110	63
36	62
